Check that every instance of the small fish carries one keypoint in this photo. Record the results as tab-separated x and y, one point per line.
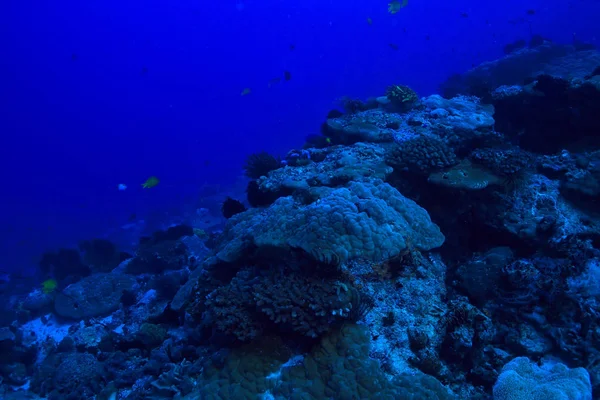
464	15
328	140
144	71
49	286
395	5
132	217
393	46
245	92
74	57
369	21
287	75
150	182
531	11
292	47
121	186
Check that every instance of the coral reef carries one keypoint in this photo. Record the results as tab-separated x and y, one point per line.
433	248
96	295
302	304
230	207
260	164
401	97
370	220
522	379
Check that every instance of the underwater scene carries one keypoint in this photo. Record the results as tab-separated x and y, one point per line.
317	200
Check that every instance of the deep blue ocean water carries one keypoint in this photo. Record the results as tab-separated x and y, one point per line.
98	93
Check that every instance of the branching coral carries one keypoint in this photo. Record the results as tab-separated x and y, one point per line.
306	305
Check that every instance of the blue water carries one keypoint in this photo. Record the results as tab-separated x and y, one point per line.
98	93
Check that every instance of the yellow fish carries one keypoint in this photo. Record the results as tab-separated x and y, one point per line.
245	92
150	182
49	286
396	5
369	21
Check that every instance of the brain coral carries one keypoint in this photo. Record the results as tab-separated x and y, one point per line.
369	220
521	379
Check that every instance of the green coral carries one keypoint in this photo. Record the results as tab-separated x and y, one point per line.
400	95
